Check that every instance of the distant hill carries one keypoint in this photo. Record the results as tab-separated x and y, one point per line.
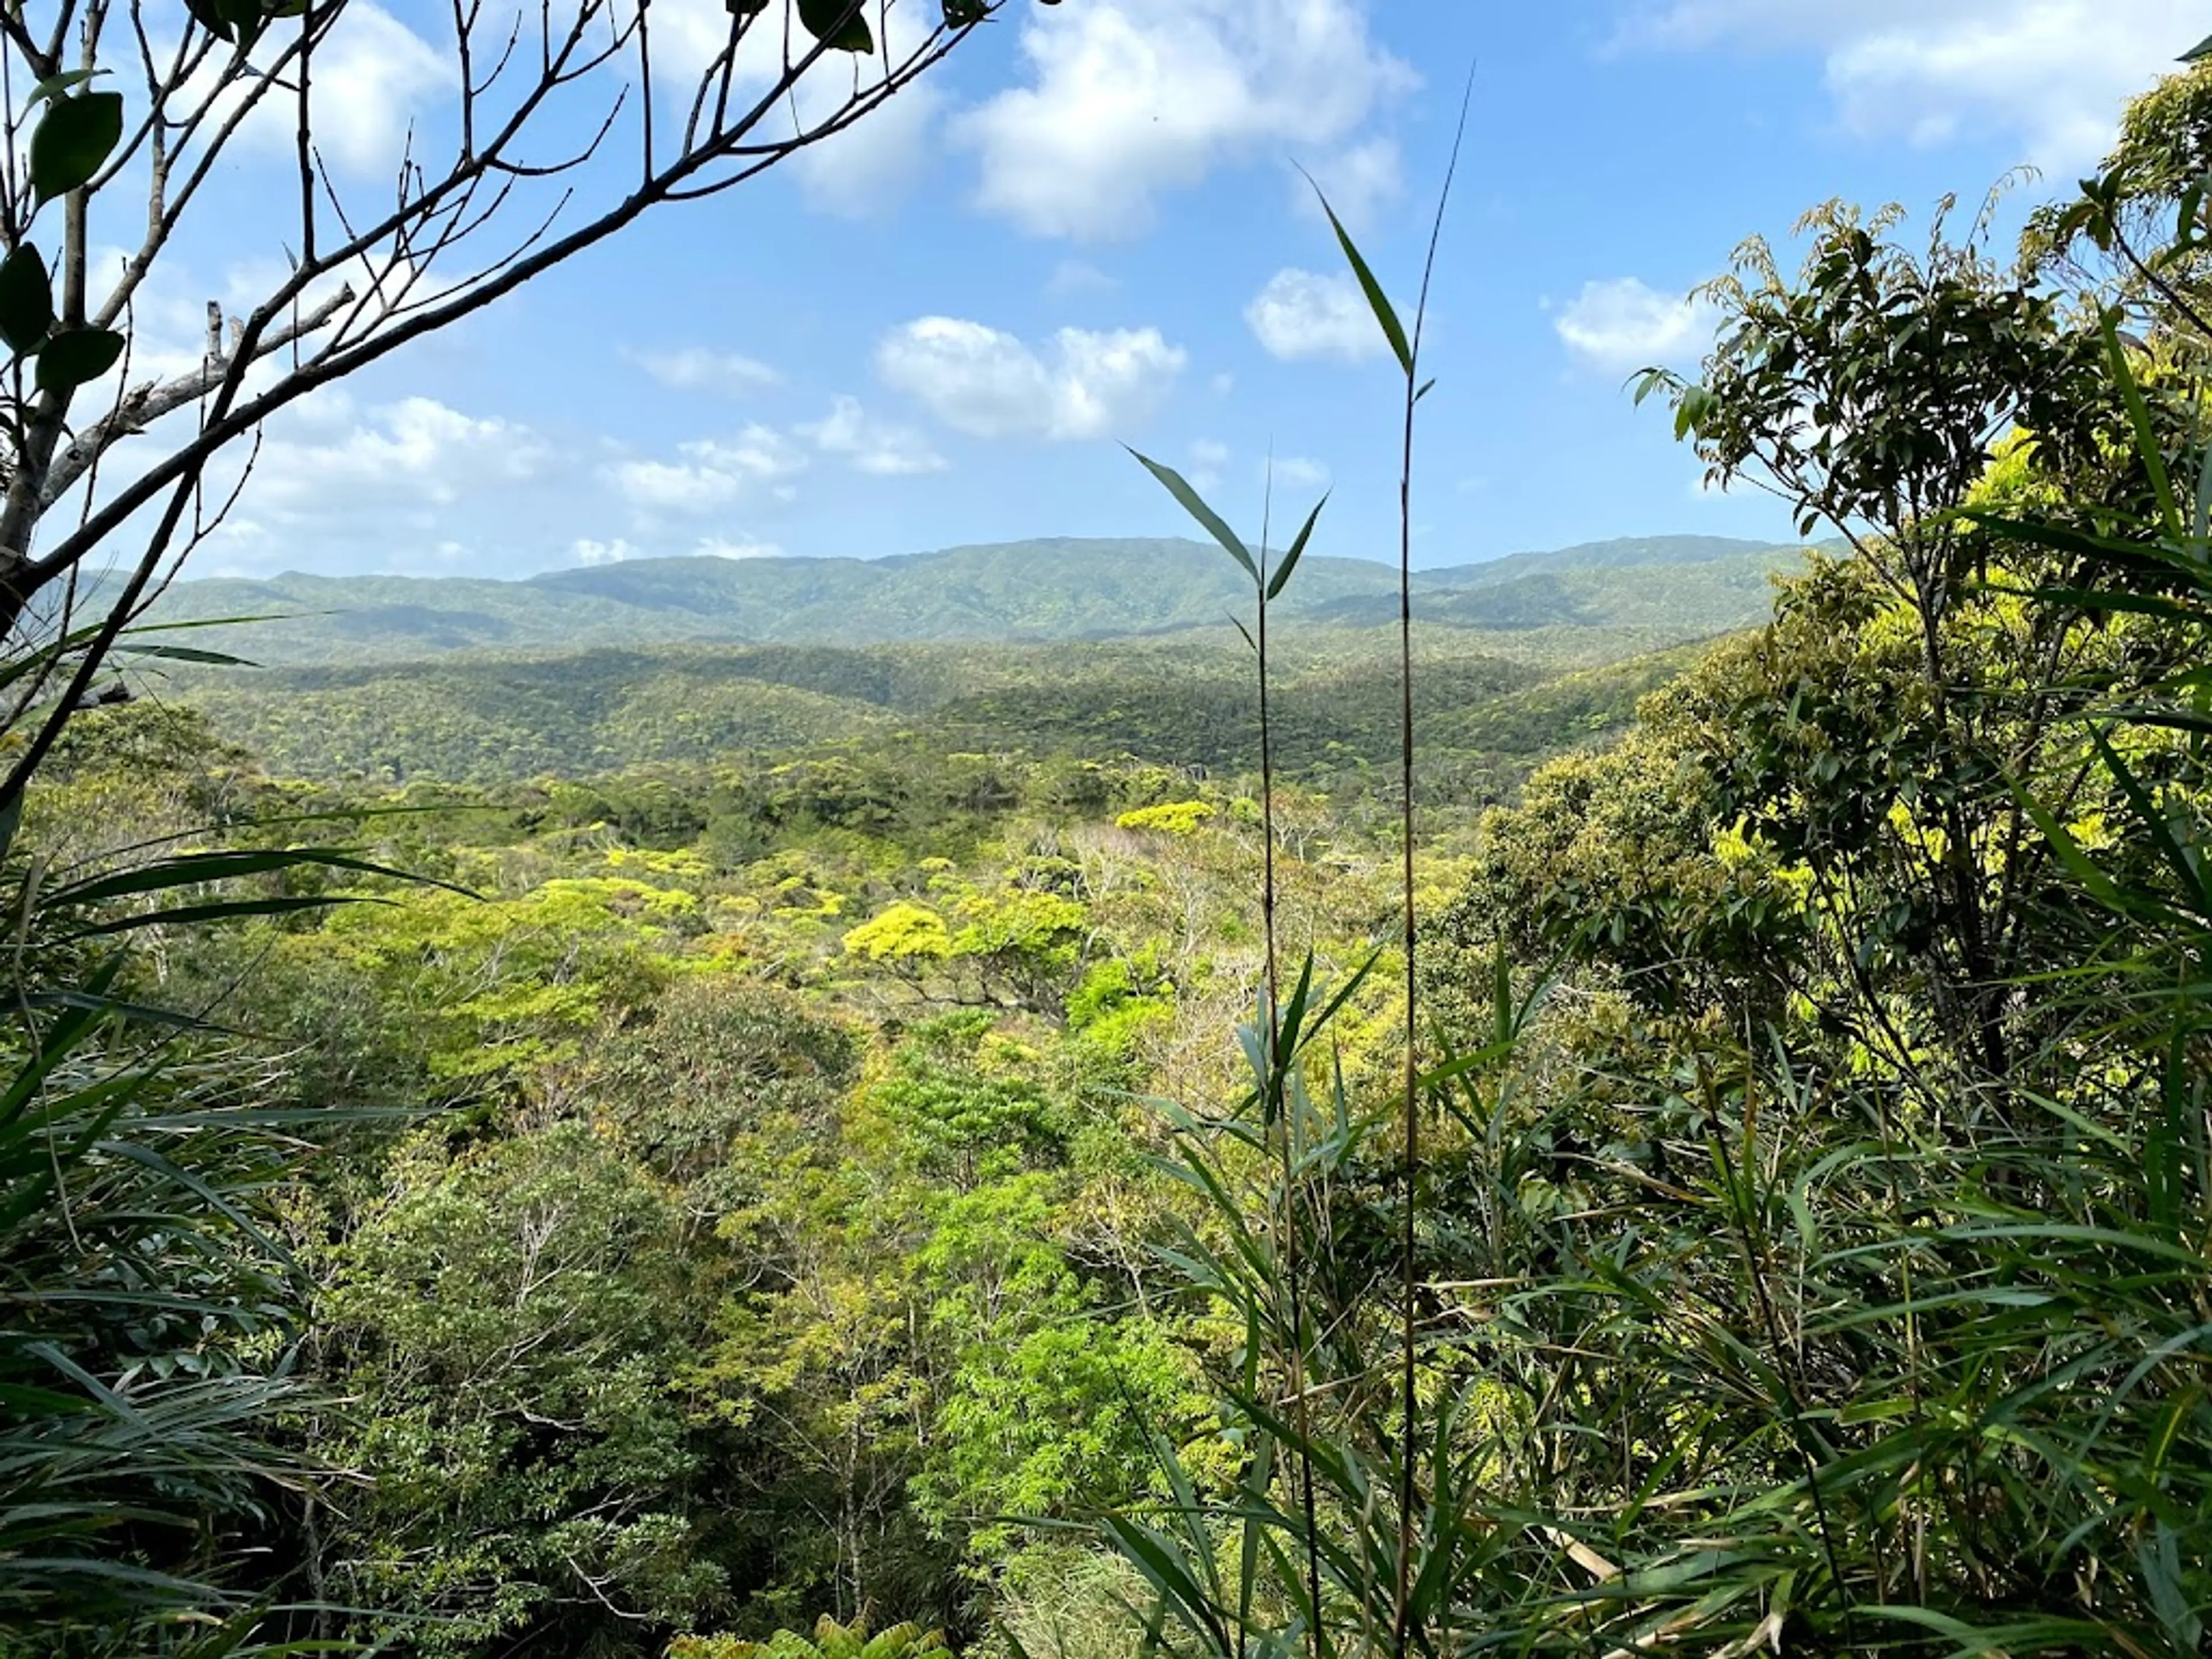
1183	699
1663	588
1625	553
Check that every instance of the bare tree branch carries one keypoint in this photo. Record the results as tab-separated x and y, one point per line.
522	144
146	403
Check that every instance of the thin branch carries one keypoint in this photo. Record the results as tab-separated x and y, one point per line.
149	402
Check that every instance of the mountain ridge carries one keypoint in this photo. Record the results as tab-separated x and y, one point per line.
1034	591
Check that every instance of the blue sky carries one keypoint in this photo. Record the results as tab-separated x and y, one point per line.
1084	230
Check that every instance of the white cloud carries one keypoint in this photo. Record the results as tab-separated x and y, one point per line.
712	472
416	454
395	485
1626	325
1359	182
872	445
373	79
987	382
1129	98
372	76
620	549
1299	314
1295	472
2049	74
872	166
696	368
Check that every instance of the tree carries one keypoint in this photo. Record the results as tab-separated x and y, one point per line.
124	112
1869	394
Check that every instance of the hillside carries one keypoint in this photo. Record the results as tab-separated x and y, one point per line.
1184	699
1665	587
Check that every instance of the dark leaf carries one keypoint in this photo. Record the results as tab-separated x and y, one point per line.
190	869
210	17
73	137
839	25
80	355
27	299
186	654
184	916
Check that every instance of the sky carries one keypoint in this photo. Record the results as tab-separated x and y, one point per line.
1087	229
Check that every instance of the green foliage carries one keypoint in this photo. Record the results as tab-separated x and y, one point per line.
830	1640
514	1312
1178	817
1807	1252
905	933
154	1309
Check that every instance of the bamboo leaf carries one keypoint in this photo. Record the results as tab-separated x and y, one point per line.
1195	504
1386	314
1297	549
2147	445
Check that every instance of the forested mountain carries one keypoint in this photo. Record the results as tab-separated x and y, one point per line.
1064	589
1184	700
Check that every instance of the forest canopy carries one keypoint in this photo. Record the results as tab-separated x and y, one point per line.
1104	1163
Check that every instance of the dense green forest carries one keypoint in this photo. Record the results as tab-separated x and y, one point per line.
717	1150
1189	700
1661	588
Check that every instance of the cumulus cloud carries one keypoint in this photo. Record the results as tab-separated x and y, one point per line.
1129	98
984	381
412	455
373	78
1297	473
1299	314
711	473
697	369
872	446
2049	74
1626	325
395	483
